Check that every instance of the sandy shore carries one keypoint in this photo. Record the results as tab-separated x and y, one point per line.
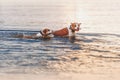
97	59
61	76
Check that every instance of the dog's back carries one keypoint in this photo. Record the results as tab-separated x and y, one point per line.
61	32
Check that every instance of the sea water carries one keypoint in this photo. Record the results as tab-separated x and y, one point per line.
17	53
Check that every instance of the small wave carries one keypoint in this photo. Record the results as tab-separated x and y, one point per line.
28	52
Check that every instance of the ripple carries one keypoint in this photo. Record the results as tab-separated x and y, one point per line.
28	52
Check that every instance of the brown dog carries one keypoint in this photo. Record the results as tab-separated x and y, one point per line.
68	31
45	34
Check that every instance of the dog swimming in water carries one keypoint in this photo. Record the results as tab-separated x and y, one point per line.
47	33
43	34
68	31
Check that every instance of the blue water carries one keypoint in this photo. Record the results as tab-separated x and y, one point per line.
19	52
28	19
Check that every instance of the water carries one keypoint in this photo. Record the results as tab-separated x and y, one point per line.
95	16
17	52
29	19
35	17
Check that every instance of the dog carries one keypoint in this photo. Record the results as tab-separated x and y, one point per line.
67	31
44	34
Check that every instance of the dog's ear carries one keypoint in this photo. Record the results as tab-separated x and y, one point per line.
79	24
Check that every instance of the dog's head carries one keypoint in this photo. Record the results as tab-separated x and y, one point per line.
46	32
75	27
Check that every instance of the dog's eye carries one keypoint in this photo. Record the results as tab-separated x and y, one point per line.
76	25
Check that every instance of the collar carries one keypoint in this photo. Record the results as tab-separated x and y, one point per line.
41	33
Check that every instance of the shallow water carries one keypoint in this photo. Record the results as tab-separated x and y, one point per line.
96	16
29	19
18	52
